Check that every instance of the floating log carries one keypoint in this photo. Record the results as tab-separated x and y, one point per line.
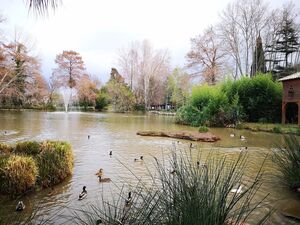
187	135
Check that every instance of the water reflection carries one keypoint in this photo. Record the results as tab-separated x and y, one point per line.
117	133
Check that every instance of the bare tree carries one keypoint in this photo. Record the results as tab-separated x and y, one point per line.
207	56
242	22
144	67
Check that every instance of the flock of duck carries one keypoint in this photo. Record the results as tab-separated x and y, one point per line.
128	201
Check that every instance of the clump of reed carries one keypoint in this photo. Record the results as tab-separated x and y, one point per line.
28	148
188	193
5	149
287	159
55	162
18	174
29	163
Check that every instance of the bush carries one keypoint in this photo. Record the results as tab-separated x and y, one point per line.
277	129
5	149
203	129
287	160
55	162
18	174
28	148
102	99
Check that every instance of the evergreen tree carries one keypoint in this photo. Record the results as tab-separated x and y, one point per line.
258	62
286	43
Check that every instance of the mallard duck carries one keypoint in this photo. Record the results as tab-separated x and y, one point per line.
237	190
128	201
173	172
110	153
198	164
140	159
20	206
100	174
89	136
83	194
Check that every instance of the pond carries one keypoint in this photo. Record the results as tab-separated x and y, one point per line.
117	133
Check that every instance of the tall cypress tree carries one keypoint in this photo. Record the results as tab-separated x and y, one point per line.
258	62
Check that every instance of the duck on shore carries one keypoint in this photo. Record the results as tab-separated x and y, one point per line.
242	138
20	206
232	135
83	194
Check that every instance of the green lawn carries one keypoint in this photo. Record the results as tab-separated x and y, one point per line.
271	127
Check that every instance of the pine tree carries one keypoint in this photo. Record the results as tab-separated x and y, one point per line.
258	62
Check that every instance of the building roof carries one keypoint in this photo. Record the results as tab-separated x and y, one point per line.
291	77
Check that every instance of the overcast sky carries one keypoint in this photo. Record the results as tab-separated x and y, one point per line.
97	28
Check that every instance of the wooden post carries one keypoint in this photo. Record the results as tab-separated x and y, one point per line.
283	113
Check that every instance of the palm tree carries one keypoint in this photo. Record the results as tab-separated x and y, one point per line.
42	6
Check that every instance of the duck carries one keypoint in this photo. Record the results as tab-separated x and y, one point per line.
237	190
244	148
20	206
242	138
128	201
99	222
110	153
100	176
198	164
232	135
139	160
191	145
89	136
173	172
83	194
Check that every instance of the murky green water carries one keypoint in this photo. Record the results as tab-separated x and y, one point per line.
117	133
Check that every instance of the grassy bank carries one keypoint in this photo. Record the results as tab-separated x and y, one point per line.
31	164
271	127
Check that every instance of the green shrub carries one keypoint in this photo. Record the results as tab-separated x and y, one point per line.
287	159
5	149
28	148
18	174
102	99
203	129
55	162
277	129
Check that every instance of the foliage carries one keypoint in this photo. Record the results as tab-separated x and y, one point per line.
102	99
178	85
259	97
45	163
287	159
5	149
28	148
277	129
232	101
191	195
55	162
17	174
121	97
87	91
203	129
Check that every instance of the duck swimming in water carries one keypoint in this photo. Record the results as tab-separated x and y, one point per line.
100	176
128	201
110	153
83	194
139	160
237	190
20	206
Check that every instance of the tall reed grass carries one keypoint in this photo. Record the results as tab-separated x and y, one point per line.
191	194
287	159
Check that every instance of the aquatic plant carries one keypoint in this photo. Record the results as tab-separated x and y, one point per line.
55	162
28	148
287	159
18	174
193	193
202	129
5	149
